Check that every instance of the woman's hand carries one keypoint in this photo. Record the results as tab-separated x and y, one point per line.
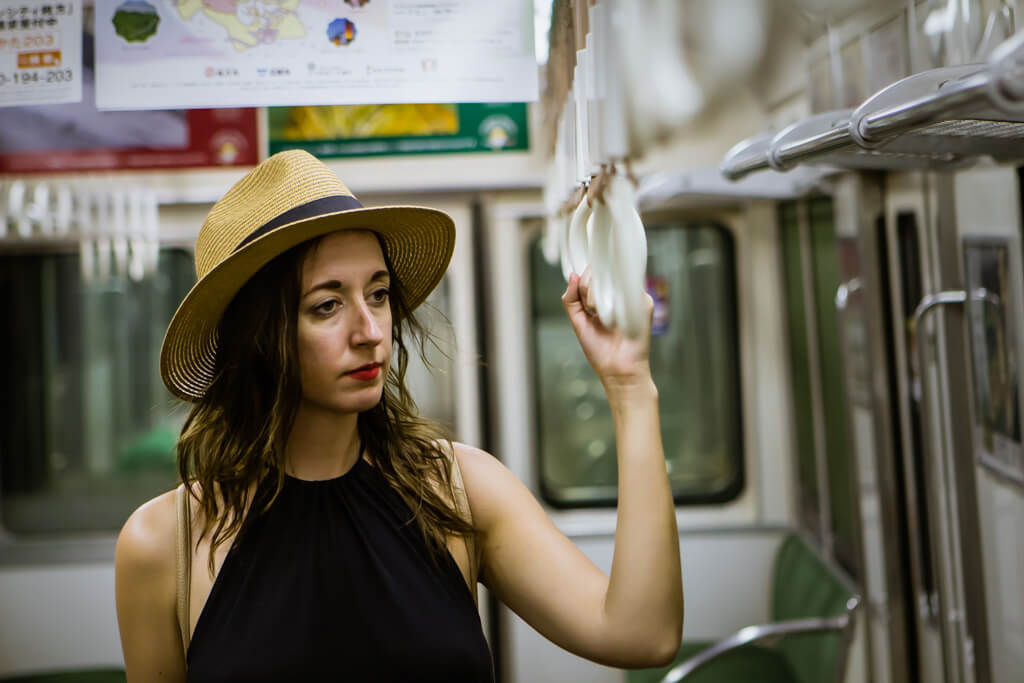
618	360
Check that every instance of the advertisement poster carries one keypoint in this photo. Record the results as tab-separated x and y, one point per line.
156	54
78	137
40	52
378	130
994	354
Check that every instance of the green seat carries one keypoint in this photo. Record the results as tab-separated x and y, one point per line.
155	449
90	676
803	588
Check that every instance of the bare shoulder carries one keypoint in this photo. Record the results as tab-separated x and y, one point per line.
475	461
146	544
146	589
493	491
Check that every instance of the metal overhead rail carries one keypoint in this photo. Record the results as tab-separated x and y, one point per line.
747	156
940	118
706	187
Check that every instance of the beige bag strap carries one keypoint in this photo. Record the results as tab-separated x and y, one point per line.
462	506
183	562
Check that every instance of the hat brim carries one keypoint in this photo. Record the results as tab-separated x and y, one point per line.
419	243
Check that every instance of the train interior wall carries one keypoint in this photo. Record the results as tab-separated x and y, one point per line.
58	610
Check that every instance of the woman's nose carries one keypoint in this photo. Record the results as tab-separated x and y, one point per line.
369	330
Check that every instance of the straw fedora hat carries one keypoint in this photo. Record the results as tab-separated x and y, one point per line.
289	198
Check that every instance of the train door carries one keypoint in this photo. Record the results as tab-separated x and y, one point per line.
949	262
919	391
863	325
990	471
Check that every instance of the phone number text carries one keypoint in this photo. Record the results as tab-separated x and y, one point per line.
40	77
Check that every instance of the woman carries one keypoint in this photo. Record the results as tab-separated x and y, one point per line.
328	532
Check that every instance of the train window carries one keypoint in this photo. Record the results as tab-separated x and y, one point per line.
695	361
825	257
430	375
810	281
88	429
912	286
799	364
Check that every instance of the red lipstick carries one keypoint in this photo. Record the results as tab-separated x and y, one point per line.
366	373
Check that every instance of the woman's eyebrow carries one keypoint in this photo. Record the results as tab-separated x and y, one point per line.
337	284
326	284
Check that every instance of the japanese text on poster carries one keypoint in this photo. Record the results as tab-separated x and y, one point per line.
154	54
40	52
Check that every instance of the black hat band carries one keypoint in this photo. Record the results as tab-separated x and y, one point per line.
317	207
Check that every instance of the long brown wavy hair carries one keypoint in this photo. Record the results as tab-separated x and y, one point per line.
233	441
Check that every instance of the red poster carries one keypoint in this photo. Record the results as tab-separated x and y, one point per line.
76	137
61	138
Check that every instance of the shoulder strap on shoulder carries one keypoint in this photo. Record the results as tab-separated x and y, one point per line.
462	505
184	563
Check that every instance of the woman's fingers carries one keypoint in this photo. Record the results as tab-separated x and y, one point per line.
571	298
587	291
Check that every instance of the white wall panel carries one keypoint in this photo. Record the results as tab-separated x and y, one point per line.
56	617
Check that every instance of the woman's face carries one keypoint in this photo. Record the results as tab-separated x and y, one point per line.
344	324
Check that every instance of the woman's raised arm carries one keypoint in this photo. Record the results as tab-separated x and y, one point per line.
634	617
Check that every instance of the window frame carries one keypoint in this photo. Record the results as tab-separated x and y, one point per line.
555	496
823	504
60	545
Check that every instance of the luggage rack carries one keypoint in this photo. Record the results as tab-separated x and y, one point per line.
705	187
940	118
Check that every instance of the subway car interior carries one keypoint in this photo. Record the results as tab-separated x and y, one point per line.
831	202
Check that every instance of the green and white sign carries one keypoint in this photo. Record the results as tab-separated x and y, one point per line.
390	129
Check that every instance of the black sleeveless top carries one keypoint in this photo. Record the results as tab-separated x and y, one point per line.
334	584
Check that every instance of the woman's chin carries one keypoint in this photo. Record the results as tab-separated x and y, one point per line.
358	401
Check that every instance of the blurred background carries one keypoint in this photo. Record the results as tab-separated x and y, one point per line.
823	198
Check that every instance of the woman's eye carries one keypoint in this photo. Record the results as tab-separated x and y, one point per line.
327	307
380	296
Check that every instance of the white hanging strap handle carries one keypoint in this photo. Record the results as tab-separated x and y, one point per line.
86	246
550	240
628	257
568	212
65	210
552	219
152	223
83	210
579	250
119	204
15	206
39	212
599	232
137	235
102	234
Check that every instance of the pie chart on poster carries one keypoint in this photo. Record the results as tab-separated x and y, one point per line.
341	32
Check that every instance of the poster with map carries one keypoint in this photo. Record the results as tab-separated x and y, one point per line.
156	54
